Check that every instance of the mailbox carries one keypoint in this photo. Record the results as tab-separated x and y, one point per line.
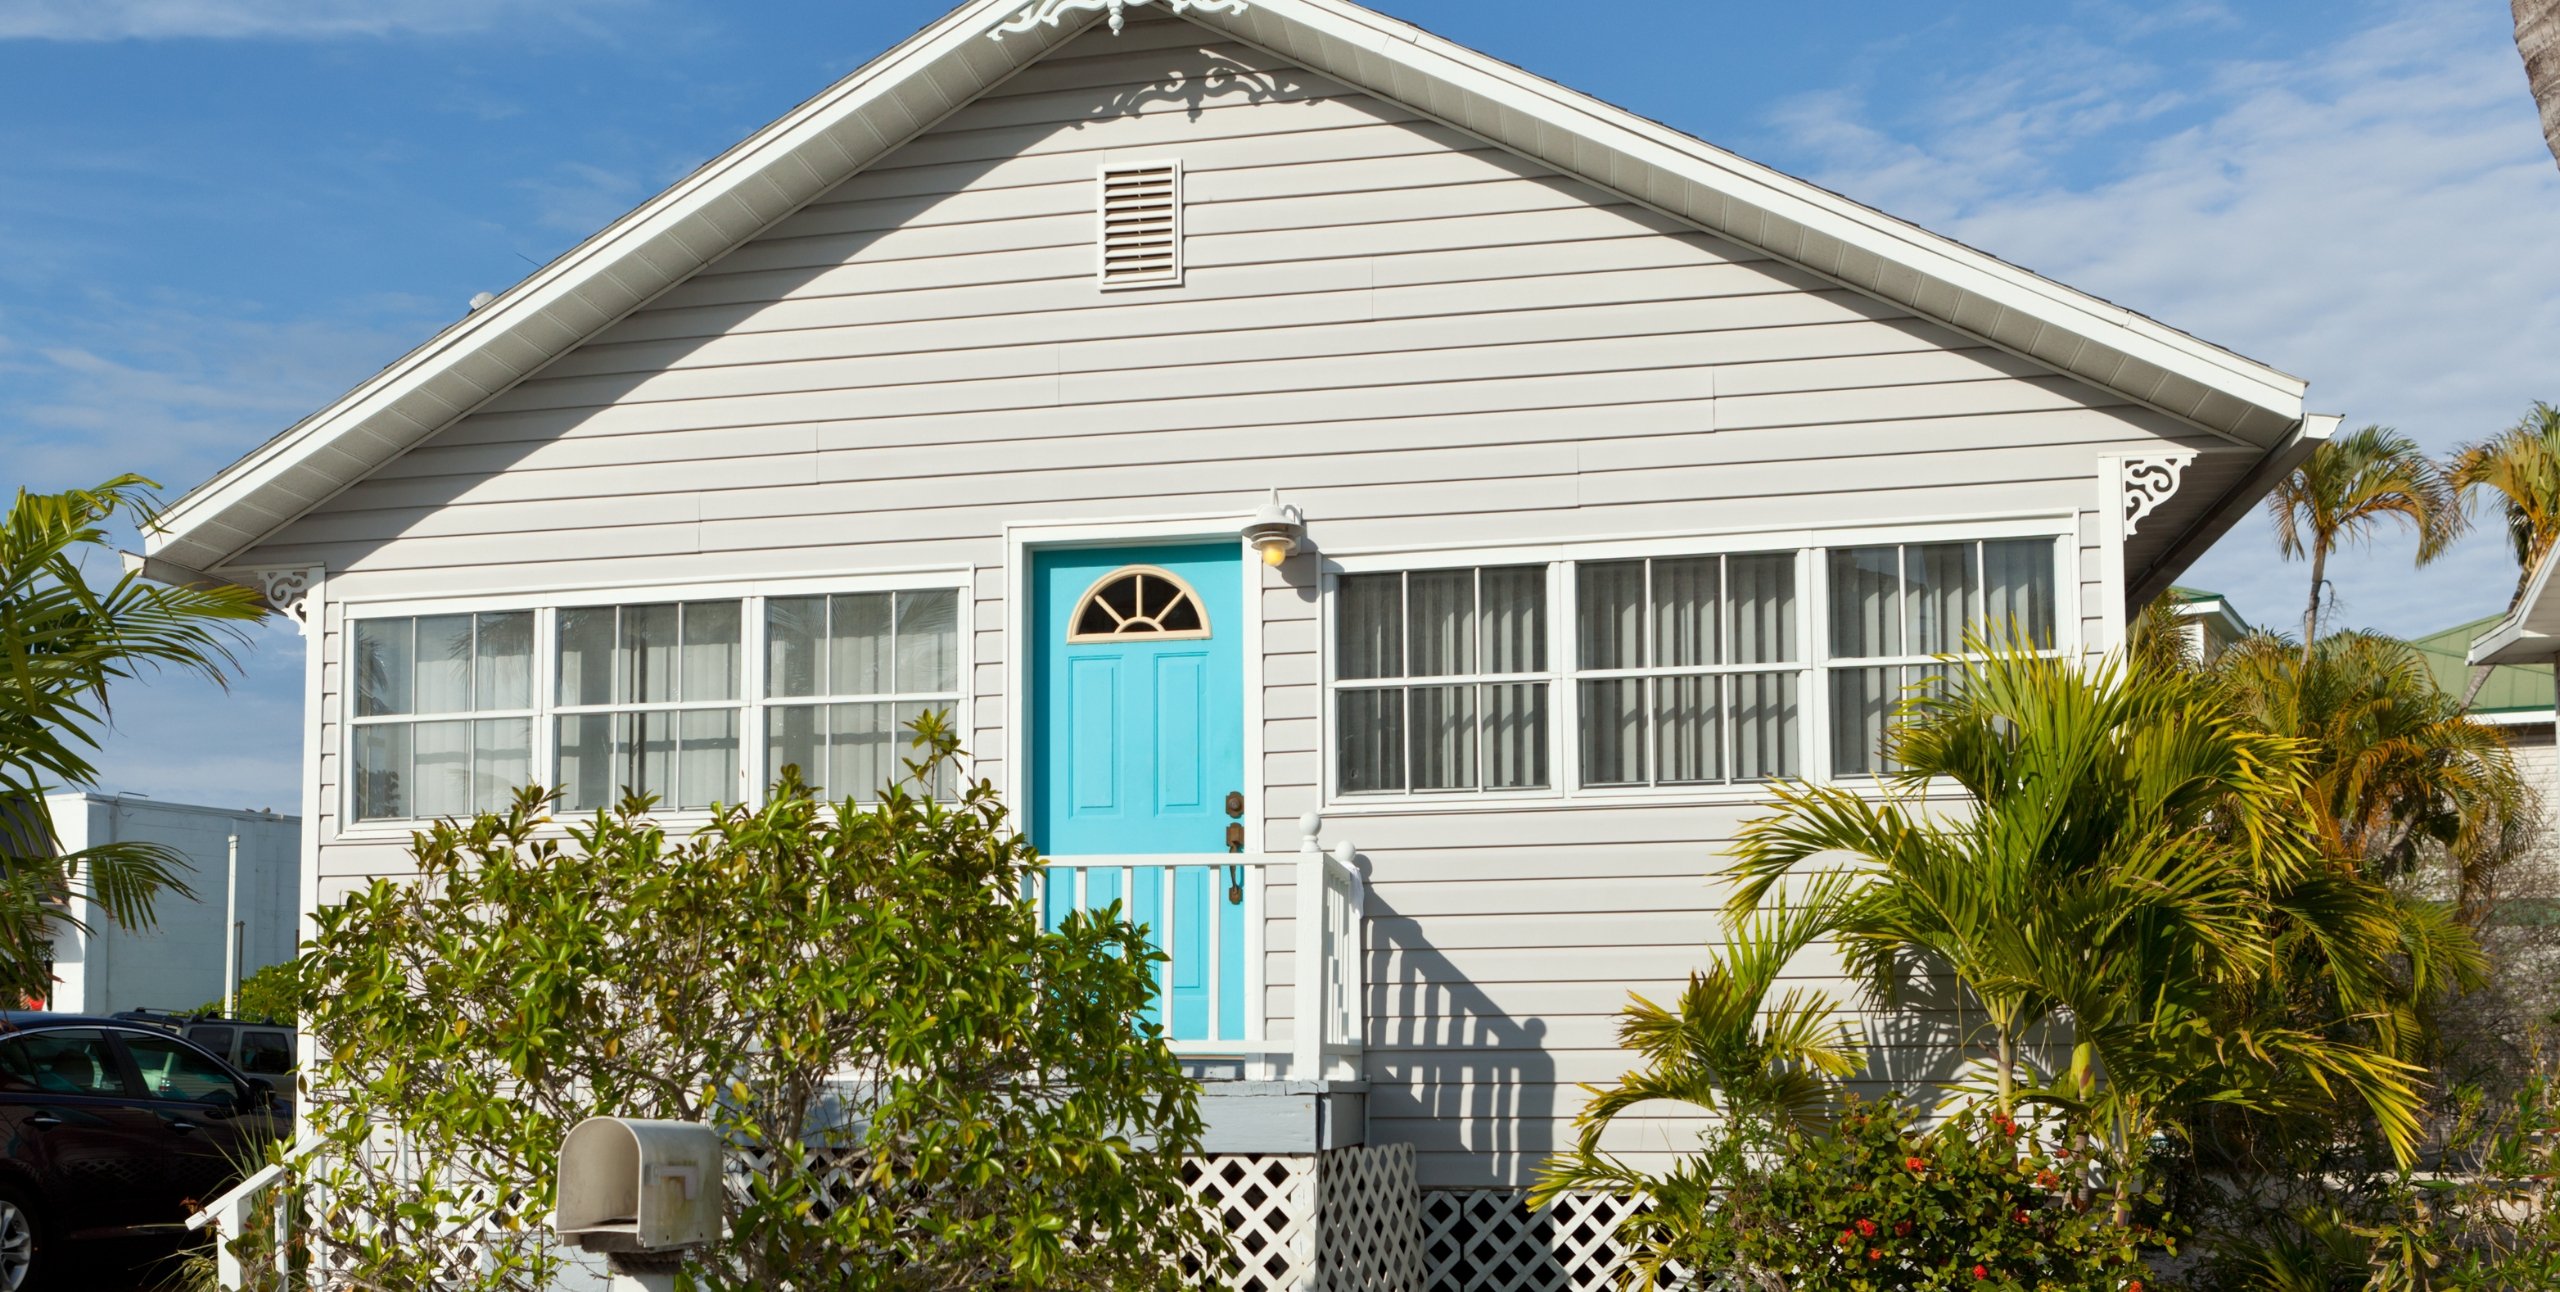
631	1186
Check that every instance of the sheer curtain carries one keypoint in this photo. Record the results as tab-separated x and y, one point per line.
824	653
1445	640
683	658
417	751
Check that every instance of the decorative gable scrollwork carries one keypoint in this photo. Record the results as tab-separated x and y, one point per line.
1053	12
2149	482
288	593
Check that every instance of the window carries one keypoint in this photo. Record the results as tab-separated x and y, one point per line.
845	674
214	1039
443	713
1895	607
266	1054
693	699
649	699
62	1062
1141	601
172	1069
1685	669
1441	680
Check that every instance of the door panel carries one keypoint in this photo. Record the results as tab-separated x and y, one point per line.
207	1122
72	1117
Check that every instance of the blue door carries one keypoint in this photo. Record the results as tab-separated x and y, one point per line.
1137	739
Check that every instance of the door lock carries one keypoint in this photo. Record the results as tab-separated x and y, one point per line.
1235	805
1235	836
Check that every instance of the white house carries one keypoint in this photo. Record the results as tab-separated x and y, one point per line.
243	917
1623	474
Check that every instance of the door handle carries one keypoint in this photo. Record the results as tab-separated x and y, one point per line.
47	1120
182	1127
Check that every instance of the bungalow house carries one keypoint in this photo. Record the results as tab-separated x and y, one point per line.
1603	477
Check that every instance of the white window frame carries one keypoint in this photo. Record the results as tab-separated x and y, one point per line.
353	723
1811	546
752	706
1553	677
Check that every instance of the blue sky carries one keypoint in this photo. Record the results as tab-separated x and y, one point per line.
217	214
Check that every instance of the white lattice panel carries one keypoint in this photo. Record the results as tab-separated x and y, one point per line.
1267	1207
1368	1220
1492	1240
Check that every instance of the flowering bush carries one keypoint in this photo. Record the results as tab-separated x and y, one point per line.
1871	1202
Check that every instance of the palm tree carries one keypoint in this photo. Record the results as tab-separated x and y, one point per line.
62	644
2538	39
2521	467
2131	860
2346	488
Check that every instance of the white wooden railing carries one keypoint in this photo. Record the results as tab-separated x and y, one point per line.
1326	900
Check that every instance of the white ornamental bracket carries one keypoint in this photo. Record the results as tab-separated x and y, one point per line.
2149	482
288	593
1054	12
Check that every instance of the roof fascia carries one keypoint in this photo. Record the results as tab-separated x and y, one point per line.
2224	512
2527	634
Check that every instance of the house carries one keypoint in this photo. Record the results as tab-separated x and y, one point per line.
2207	623
1608	477
244	868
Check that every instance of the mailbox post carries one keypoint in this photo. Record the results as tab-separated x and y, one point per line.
642	1193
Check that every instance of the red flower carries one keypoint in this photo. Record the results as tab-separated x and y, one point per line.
1902	1229
1875	1253
1848	1239
1866	1228
1980	1274
2047	1179
2134	1286
2021	1217
1915	1164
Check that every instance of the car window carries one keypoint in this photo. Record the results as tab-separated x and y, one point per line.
172	1069
216	1039
71	1061
265	1053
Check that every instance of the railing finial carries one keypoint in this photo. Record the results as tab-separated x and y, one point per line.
1308	825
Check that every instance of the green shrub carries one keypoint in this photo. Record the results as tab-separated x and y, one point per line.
271	995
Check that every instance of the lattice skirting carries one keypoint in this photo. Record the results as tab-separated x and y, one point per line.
1346	1220
1492	1240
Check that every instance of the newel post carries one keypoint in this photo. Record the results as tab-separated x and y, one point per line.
1307	1061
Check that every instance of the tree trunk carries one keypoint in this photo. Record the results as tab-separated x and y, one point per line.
2538	39
2008	1071
2319	575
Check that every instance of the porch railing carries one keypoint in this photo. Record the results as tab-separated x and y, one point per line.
1213	996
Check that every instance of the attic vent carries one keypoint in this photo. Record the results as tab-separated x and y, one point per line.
1142	225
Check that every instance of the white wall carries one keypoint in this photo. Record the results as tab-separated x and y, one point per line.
177	964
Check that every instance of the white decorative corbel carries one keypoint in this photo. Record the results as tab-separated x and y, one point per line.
288	593
1053	12
2149	482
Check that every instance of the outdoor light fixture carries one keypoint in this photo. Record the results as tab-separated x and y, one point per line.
1275	530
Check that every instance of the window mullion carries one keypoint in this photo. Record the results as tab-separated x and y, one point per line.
753	783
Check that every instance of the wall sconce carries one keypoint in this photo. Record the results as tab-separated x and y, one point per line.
1276	530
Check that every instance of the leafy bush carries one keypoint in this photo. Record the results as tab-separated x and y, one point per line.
946	1094
271	995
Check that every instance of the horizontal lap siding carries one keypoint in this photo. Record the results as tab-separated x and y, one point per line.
1424	341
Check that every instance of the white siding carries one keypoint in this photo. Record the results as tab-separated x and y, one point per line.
1424	341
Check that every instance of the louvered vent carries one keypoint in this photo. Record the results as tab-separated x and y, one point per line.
1142	225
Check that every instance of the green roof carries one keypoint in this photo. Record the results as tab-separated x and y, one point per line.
2512	688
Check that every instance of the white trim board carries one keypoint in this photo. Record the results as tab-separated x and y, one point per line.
900	94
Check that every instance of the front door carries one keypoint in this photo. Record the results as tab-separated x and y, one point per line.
1137	741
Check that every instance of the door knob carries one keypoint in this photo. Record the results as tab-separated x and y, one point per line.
1235	805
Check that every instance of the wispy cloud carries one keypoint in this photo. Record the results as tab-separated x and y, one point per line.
89	20
2376	215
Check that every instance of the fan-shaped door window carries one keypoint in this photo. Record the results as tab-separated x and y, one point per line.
1139	601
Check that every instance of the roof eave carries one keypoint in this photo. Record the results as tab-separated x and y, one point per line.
2218	517
2530	633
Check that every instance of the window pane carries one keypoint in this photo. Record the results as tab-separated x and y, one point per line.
928	642
1684	612
707	761
264	1054
1515	619
791	739
946	781
644	754
1369	732
1861	700
793	627
648	654
1444	738
443	778
1864	619
382	771
2017	590
586	762
66	1062
711	655
174	1071
1938	596
858	645
443	677
1762	592
1444	624
1611	611
586	655
502	666
1515	735
1688	731
1369	638
863	751
501	761
382	654
1765	725
1613	732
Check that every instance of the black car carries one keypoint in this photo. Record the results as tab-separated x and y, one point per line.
113	1129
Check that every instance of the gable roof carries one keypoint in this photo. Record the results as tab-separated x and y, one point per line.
898	95
2522	690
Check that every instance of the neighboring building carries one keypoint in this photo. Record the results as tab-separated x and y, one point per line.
2208	621
178	962
1625	475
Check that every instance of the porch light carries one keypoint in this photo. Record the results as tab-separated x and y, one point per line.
1275	530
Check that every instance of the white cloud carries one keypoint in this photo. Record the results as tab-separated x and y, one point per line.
2376	216
86	20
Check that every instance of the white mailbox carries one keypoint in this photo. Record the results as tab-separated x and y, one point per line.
639	1186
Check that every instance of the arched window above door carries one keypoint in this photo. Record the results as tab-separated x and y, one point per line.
1138	601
